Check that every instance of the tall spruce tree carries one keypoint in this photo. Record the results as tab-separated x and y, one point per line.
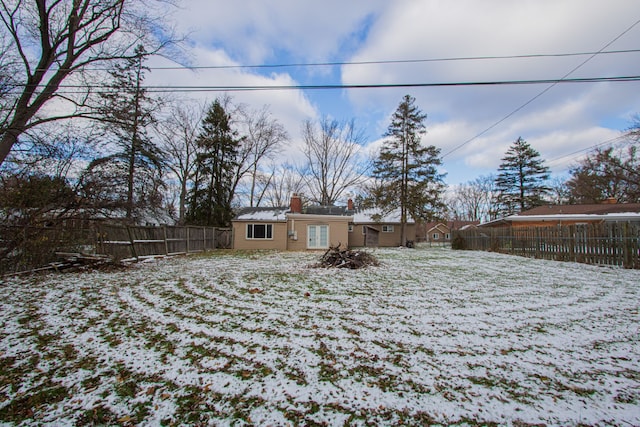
521	180
127	112
217	161
407	170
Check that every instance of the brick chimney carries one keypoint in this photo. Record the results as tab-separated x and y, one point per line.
296	203
350	204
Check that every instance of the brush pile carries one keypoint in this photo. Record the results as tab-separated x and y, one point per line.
78	261
345	258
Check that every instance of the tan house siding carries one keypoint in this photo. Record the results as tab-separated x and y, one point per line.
278	242
337	228
390	239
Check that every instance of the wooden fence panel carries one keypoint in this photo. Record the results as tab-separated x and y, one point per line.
114	240
122	242
176	240
616	244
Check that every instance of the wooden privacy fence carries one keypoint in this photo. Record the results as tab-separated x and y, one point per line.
26	248
615	244
139	241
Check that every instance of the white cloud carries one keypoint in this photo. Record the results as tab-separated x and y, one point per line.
566	118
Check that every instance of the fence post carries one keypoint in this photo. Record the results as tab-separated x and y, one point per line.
166	243
133	246
626	246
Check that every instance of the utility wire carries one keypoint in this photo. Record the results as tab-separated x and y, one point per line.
379	62
159	89
399	61
553	84
599	144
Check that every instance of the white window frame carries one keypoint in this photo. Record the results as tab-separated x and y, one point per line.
387	228
315	237
435	236
447	236
250	231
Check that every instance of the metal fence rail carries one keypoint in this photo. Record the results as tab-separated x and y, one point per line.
615	244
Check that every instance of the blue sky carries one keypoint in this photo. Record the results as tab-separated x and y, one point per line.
565	119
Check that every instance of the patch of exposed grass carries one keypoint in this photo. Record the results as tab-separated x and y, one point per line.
33	402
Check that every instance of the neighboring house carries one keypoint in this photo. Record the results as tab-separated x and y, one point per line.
291	228
441	232
550	215
316	227
438	233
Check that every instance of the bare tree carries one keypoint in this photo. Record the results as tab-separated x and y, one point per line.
264	138
58	40
633	132
178	133
281	181
334	159
559	191
472	201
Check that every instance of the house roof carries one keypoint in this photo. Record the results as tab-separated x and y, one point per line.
262	214
588	209
451	225
327	210
588	212
376	216
440	227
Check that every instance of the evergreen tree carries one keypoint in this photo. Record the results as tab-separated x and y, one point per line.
128	111
520	184
407	170
217	161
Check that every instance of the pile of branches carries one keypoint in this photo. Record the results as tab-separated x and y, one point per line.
345	258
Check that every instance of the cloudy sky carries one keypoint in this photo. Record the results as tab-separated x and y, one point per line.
365	40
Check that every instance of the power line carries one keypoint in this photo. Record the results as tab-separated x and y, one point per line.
161	89
553	84
399	61
573	154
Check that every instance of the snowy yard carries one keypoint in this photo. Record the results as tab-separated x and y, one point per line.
431	336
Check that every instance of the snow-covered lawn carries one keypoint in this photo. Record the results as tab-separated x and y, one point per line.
431	336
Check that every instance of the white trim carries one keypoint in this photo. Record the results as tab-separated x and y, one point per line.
628	216
317	236
253	224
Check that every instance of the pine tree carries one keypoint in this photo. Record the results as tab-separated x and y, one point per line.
217	161
521	179
407	170
127	112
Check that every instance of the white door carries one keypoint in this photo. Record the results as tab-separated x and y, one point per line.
317	236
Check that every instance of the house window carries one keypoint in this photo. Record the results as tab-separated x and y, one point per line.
436	236
447	236
317	236
387	228
350	228
259	231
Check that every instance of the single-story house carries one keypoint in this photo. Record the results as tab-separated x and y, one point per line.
372	228
551	215
289	228
315	227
